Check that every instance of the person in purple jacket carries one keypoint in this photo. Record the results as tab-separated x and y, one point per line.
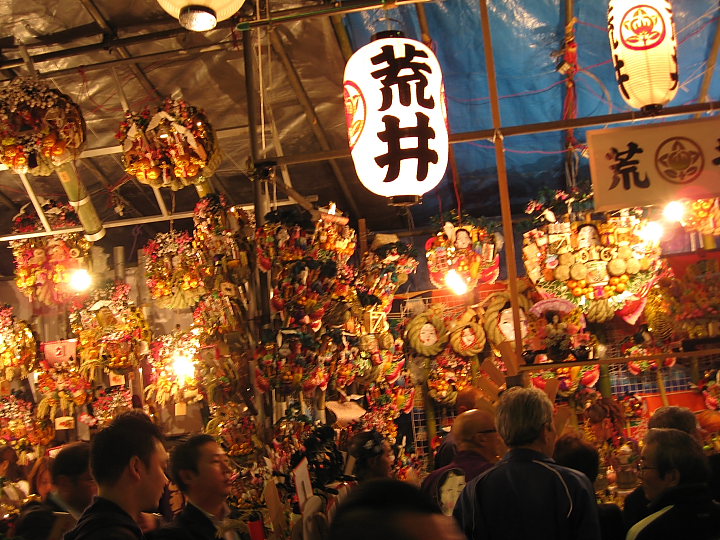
477	445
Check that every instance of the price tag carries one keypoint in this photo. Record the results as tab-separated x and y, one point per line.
116	379
64	422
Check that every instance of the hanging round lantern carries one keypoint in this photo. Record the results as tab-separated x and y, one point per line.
395	113
644	49
201	15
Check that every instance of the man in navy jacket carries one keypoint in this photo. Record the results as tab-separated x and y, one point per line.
527	494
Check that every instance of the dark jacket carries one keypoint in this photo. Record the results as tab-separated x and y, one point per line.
636	505
190	524
686	511
470	464
105	520
446	452
528	495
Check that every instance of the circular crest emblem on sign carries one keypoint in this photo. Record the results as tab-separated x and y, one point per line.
679	160
354	111
642	28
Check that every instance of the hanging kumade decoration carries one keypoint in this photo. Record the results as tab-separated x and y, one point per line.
20	429
603	267
174	146
64	389
558	329
235	430
426	333
40	128
173	270
44	265
18	346
333	239
467	337
471	251
109	403
382	271
174	361
498	318
112	331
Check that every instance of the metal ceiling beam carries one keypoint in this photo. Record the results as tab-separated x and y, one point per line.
312	117
36	203
120	51
275	17
189	53
527	129
132	221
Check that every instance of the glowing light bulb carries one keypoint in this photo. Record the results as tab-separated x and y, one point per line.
80	280
184	368
455	281
674	211
652	233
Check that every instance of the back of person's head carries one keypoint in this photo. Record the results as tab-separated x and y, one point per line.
522	415
72	460
130	434
35	522
185	457
676	450
378	509
674	417
571	451
366	447
39	474
467	399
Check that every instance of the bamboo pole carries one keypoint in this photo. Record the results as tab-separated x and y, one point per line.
514	364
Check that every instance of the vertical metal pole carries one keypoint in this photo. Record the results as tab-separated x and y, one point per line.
502	187
260	280
119	262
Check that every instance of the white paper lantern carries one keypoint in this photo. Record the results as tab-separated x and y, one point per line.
644	50
201	15
395	113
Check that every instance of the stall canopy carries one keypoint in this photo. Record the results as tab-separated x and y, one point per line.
101	51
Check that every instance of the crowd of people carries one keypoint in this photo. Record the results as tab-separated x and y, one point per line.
509	477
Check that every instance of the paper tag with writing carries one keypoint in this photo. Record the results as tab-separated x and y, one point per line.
181	409
116	379
64	422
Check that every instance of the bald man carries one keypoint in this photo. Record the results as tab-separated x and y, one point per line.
468	398
478	446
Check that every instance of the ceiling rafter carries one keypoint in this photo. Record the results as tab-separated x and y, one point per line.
312	117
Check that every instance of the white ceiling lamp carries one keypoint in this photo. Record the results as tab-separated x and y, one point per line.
644	51
201	15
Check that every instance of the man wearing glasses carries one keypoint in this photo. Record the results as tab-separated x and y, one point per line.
674	473
478	446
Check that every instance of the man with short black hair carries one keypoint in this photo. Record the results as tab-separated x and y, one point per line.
674	473
390	510
201	469
128	461
73	489
527	494
73	485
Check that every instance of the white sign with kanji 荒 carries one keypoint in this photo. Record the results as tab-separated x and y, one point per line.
655	164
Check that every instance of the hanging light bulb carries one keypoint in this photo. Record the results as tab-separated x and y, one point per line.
183	367
644	50
80	280
652	233
201	15
396	117
455	281
674	211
